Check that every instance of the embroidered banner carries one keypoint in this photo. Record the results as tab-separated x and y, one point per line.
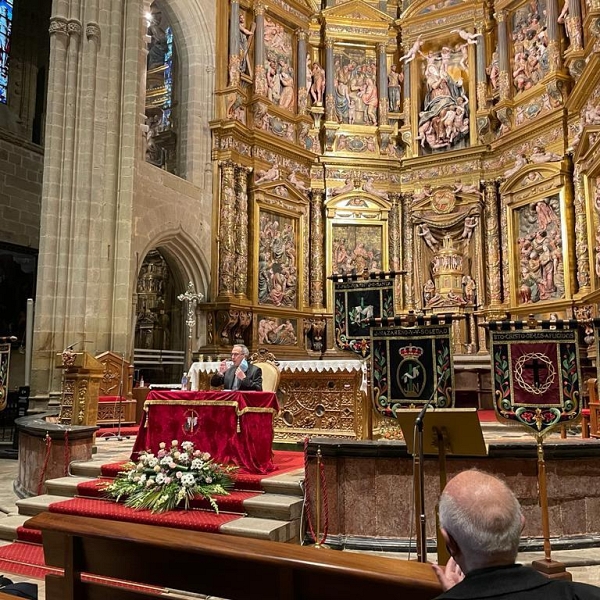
356	303
411	366
536	374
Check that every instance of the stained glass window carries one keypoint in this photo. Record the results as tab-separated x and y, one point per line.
6	10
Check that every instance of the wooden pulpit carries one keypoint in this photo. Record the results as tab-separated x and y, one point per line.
80	387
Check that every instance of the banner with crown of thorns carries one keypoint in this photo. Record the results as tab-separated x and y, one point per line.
357	301
411	366
536	372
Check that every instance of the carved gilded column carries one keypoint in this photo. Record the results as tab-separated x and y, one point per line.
492	237
573	26
234	43
260	77
240	284
554	53
317	253
302	89
382	83
409	291
503	60
395	223
227	221
504	253
582	253
481	74
406	94
329	81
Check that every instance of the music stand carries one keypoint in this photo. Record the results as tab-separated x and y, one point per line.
455	431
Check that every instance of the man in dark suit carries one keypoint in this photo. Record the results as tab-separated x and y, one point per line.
481	522
240	374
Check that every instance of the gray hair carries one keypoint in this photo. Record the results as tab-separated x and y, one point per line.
243	348
485	521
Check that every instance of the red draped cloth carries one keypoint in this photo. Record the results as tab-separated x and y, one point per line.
234	427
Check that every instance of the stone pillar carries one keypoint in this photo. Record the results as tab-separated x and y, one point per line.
382	84
409	282
260	78
234	43
582	253
503	59
86	268
302	89
492	237
227	222
329	81
241	232
317	253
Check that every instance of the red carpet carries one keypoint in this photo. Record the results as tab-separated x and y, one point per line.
195	520
234	502
33	536
111	432
487	416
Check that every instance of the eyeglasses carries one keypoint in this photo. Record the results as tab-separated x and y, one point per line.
235	353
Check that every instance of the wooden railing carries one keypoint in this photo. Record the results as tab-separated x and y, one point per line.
215	565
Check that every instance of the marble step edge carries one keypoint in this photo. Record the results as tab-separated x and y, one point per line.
253	527
267	505
9	526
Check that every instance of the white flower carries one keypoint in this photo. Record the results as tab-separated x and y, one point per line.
153	462
206	456
187	446
174	443
197	464
160	478
188	479
184	457
162	445
165	461
142	478
176	455
208	479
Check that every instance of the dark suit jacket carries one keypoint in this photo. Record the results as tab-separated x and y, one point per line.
252	382
516	582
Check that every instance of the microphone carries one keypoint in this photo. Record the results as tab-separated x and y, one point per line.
421	415
71	346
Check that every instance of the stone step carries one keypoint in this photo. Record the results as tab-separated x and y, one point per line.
9	525
37	504
263	529
86	468
274	506
286	483
65	486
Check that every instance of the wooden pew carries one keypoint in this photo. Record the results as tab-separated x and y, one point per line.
215	565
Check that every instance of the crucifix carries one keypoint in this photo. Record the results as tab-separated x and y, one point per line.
536	366
190	298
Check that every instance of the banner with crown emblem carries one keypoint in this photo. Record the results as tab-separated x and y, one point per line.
357	301
411	366
536	373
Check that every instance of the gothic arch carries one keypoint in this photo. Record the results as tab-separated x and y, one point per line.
194	25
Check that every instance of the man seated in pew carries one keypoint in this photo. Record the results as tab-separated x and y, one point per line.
238	373
481	522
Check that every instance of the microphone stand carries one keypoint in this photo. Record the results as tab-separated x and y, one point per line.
419	484
118	436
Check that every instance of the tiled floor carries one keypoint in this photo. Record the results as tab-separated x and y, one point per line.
582	563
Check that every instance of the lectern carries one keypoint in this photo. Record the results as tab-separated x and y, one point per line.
81	384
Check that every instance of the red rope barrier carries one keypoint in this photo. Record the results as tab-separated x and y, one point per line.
67	453
321	474
48	441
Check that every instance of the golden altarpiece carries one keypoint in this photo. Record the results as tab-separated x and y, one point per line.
454	140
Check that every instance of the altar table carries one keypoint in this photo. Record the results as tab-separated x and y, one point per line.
234	427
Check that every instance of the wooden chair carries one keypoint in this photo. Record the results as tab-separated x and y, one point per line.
117	380
269	365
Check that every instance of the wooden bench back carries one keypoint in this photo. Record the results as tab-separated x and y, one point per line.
214	565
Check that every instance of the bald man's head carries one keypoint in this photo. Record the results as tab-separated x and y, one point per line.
482	520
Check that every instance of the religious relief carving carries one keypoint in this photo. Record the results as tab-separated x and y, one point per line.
315	334
271	174
541	274
246	37
493	72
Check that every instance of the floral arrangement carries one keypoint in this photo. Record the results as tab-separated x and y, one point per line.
161	482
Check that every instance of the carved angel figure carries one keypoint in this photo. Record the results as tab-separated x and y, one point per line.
412	52
347	187
520	161
539	155
470	38
297	183
424	232
271	175
371	189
